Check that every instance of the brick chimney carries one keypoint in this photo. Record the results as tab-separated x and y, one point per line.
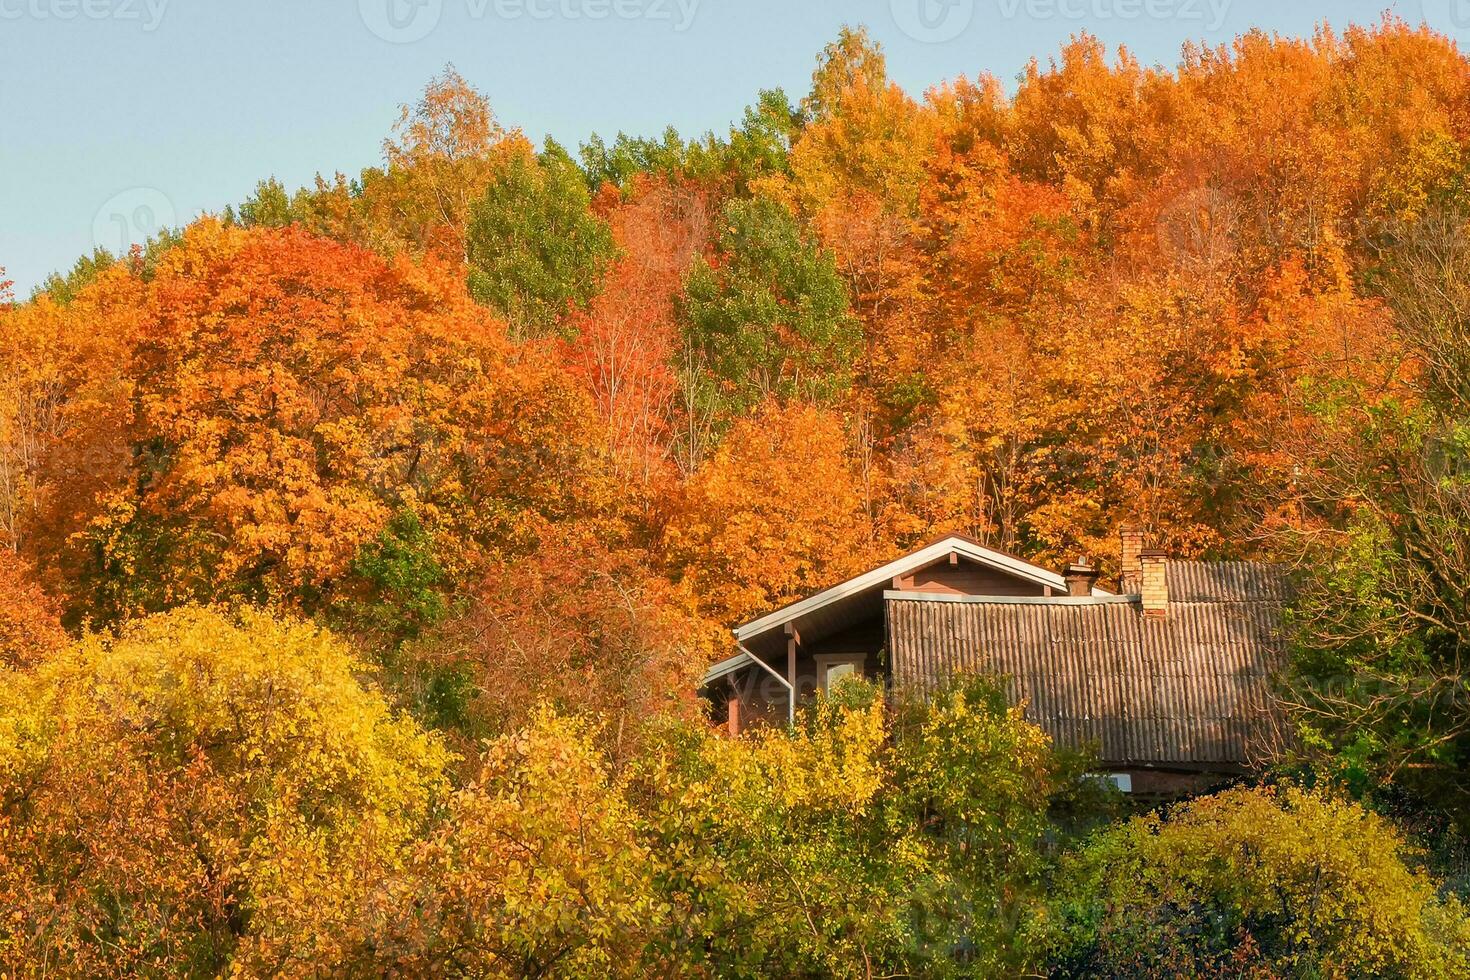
1154	585
1080	577
1130	578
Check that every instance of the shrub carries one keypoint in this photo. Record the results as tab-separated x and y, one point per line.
1271	881
204	786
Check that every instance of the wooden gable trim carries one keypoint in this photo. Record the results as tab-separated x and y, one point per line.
884	575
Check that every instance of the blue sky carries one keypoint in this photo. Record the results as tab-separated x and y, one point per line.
116	115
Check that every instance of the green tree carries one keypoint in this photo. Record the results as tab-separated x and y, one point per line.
400	582
980	793
757	148
535	249
769	314
1382	625
270	206
760	146
64	288
628	156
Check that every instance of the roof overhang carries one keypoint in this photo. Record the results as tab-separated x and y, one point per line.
726	667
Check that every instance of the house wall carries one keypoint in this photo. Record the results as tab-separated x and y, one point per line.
866	638
965	578
763	698
1156	784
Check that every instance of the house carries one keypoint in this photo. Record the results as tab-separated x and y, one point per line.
1168	679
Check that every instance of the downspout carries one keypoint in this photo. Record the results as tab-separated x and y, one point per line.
790	691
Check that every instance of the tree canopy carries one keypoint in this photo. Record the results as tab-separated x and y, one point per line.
361	544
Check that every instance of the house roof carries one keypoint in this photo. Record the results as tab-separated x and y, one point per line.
1190	689
727	667
844	600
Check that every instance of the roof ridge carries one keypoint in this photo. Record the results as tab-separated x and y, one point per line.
1020	600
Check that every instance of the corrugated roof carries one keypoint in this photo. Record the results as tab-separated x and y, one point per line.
1190	689
1225	581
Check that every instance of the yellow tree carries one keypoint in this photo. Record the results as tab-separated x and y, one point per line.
538	869
443	152
167	795
1085	127
1259	882
856	169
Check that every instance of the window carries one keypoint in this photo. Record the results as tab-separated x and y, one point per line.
833	667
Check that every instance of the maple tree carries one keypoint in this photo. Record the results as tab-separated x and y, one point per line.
775	513
30	626
292	395
62	401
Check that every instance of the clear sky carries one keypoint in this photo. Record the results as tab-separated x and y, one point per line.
116	115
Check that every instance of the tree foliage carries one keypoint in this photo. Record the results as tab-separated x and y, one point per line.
1384	623
768	315
205	786
536	253
576	628
528	434
289	397
774	514
30	625
443	151
1272	882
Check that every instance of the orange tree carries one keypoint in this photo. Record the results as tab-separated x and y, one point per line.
625	345
575	627
29	627
290	396
777	512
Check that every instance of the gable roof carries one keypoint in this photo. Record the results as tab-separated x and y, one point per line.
874	582
1190	689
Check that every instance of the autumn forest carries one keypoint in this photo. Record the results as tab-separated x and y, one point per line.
362	545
